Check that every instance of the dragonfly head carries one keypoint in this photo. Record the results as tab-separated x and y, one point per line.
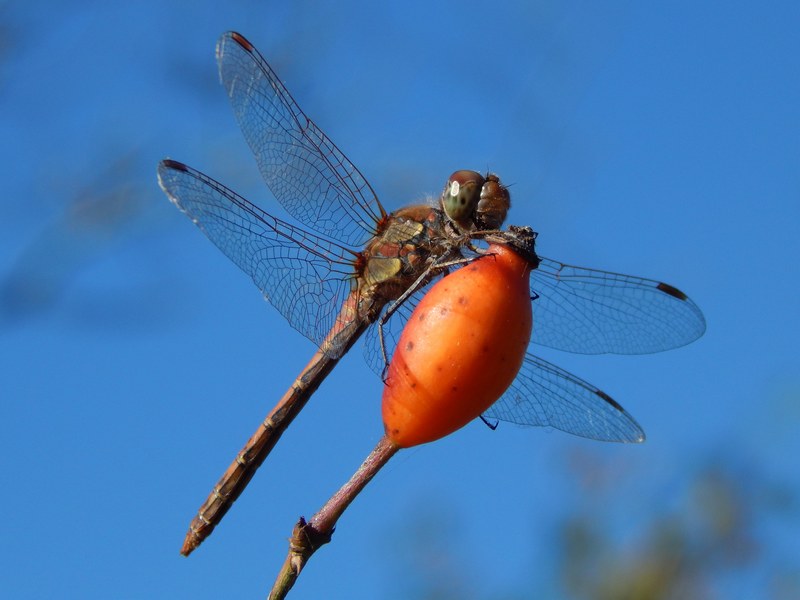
475	202
493	205
461	196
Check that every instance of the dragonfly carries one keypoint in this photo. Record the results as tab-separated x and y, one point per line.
351	267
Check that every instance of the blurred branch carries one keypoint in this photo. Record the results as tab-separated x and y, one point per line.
688	552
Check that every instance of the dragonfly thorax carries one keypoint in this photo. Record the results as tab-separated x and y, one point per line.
396	257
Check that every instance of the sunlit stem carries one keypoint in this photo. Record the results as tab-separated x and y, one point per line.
307	537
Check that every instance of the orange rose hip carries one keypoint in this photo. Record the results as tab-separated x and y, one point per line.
460	350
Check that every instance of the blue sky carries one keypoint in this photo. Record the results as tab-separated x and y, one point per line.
661	140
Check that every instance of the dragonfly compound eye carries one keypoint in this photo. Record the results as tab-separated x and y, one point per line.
493	204
461	195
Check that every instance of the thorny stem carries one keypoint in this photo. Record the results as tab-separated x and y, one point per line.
309	536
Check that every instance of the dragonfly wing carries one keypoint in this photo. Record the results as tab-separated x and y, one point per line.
306	277
545	395
306	172
596	312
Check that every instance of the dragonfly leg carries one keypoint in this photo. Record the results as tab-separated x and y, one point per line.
491	426
438	267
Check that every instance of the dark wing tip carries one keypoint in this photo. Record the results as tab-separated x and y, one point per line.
241	40
610	400
168	163
672	291
639	436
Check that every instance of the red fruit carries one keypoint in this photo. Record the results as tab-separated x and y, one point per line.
461	349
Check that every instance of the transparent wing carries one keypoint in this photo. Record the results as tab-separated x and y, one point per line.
307	278
545	395
596	312
306	172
